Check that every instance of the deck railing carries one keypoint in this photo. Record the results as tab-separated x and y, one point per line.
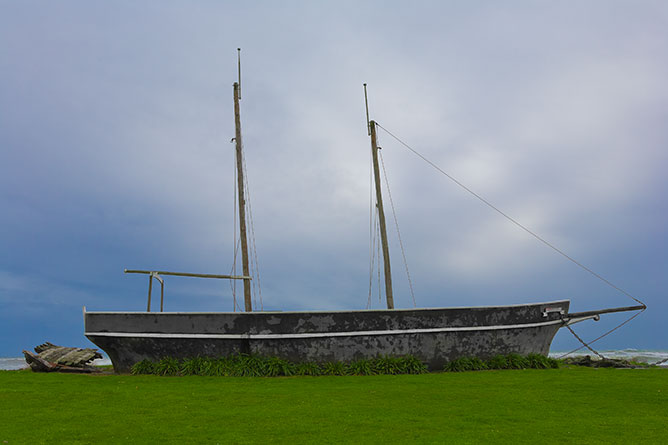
156	274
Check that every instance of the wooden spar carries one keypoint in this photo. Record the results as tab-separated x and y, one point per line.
242	201
156	274
381	217
186	274
606	311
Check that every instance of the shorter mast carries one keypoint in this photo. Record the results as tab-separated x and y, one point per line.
381	219
242	201
381	213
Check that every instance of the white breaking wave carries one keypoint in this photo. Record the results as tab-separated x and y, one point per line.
12	364
102	361
638	355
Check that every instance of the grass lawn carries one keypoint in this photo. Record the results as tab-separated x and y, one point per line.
579	405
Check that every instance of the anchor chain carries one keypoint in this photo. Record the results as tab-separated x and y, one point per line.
583	342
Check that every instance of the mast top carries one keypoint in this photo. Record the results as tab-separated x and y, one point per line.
239	70
366	103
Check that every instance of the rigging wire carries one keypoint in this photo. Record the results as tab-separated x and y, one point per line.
254	260
584	345
233	272
233	283
380	298
600	336
372	261
396	224
248	224
530	232
372	232
509	218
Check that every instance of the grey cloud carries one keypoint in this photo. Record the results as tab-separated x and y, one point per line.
116	122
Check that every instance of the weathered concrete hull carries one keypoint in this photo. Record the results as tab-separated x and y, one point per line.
435	336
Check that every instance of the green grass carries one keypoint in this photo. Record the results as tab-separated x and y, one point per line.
578	405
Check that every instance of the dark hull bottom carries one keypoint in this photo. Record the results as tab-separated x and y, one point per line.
435	336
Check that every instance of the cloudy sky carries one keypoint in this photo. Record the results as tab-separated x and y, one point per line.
115	128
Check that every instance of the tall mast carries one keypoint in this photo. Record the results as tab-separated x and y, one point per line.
379	204
242	200
381	217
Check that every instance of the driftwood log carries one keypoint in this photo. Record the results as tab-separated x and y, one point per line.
50	358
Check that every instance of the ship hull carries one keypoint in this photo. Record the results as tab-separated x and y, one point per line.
435	336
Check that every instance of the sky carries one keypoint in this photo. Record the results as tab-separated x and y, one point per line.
115	129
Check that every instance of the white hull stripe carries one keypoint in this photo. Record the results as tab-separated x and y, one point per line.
327	334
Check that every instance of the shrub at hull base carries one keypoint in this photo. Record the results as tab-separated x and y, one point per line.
510	361
248	365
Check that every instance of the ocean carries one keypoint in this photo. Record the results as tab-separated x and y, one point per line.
640	355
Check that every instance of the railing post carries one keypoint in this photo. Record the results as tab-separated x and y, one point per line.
150	286
162	293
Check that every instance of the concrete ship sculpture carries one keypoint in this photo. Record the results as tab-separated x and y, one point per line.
434	336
